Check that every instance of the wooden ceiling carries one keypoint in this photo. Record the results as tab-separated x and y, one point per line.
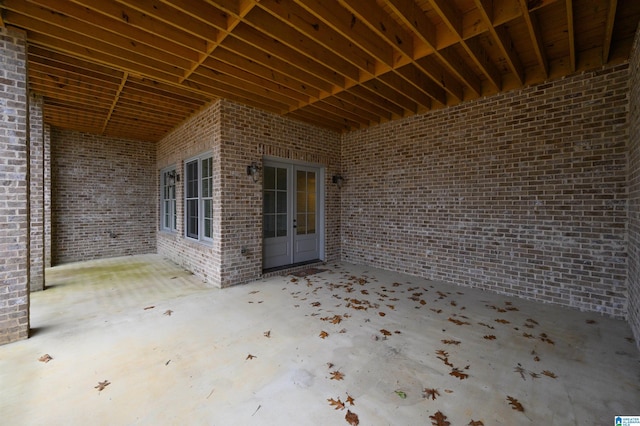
137	68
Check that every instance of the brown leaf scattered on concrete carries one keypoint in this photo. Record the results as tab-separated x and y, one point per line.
102	385
316	304
439	419
337	375
502	321
250	357
490	337
451	342
267	333
168	312
549	374
515	404
475	423
459	374
385	332
337	404
323	334
430	393
149	307
352	418
458	322
350	400
45	358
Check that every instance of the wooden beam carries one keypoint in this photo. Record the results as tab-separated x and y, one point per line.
453	19
312	27
608	31
502	39
535	35
125	76
417	20
572	36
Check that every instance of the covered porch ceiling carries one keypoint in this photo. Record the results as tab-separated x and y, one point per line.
137	68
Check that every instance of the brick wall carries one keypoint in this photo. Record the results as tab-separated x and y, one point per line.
634	191
14	189
238	135
248	135
103	199
47	195
197	135
521	193
36	193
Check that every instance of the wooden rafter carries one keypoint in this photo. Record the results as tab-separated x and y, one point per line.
340	64
500	35
535	36
608	30
116	98
453	19
572	36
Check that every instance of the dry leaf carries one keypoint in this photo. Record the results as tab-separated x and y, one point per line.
549	374
521	371
337	404
316	304
337	319
250	357
323	334
590	321
475	423
352	418
45	358
149	307
329	365
439	419
385	332
381	314
350	400
490	337
426	393
458	322
459	374
336	375
267	333
448	391
451	342
515	404
254	292
502	321
102	385
168	312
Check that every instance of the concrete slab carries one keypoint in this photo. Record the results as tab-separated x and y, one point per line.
398	350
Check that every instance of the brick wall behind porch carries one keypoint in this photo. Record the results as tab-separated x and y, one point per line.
103	196
521	193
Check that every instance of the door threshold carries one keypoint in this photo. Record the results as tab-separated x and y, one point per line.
290	268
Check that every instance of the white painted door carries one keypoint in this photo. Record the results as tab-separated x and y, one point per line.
291	231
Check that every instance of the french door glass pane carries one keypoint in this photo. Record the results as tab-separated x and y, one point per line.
269	202
282	225
282	179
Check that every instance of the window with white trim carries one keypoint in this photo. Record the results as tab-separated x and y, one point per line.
199	198
168	215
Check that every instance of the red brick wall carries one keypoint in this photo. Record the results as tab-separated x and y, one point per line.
103	197
238	135
521	193
14	189
634	191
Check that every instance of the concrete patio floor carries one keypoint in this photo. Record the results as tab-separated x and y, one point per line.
393	349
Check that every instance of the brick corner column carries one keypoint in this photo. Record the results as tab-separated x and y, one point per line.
14	188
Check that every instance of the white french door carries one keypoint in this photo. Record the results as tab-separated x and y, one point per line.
291	214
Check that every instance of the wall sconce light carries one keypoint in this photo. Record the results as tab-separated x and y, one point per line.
173	177
338	180
253	170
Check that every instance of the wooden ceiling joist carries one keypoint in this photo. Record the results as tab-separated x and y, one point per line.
133	68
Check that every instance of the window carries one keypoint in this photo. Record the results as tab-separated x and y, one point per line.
168	217
199	198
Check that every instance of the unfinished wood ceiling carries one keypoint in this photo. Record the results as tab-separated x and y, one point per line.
137	68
